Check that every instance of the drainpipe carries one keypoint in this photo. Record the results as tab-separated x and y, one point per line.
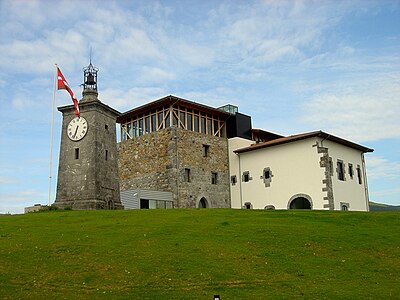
240	181
365	181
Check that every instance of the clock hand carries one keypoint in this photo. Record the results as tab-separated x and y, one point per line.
76	130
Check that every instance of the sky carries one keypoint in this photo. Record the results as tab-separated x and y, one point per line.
293	66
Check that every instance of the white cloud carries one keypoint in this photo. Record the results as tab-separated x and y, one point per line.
125	100
155	75
14	202
381	168
363	109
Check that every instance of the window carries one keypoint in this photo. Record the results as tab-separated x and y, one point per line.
246	176
351	171
248	205
340	170
135	129
344	206
214	178
187	175
189	122
154	122
196	123
209	126
182	119
359	175
106	127
203	125
206	150
167	120
267	176
233	179
140	127
76	153
106	154
129	129
123	134
216	127
175	118
147	123
160	117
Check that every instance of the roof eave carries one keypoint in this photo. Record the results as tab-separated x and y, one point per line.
289	139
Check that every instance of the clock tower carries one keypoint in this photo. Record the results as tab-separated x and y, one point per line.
88	163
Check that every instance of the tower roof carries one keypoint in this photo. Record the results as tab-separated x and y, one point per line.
172	100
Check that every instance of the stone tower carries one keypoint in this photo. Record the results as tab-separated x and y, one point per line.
88	163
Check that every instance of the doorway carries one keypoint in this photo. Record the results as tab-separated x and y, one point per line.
203	203
300	202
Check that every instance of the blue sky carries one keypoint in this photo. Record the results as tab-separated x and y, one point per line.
294	66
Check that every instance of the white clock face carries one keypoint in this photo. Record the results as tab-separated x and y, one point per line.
77	128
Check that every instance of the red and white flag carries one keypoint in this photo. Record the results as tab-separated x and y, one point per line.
63	85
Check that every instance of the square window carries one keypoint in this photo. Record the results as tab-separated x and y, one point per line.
233	179
214	178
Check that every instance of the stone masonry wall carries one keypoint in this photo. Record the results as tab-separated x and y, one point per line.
191	156
143	162
157	161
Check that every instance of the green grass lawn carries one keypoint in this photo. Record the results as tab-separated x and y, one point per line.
194	254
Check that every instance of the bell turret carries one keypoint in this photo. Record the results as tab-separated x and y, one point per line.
90	82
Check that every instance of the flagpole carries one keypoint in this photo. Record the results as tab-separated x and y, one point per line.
52	130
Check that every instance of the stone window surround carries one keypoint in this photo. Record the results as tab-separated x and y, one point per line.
344	206
247	205
294	197
269	207
233	179
246	174
267	180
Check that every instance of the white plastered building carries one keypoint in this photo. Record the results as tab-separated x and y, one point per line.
313	170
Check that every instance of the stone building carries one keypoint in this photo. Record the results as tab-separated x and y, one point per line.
177	153
180	148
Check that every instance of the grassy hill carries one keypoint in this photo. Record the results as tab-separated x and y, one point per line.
194	254
382	207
